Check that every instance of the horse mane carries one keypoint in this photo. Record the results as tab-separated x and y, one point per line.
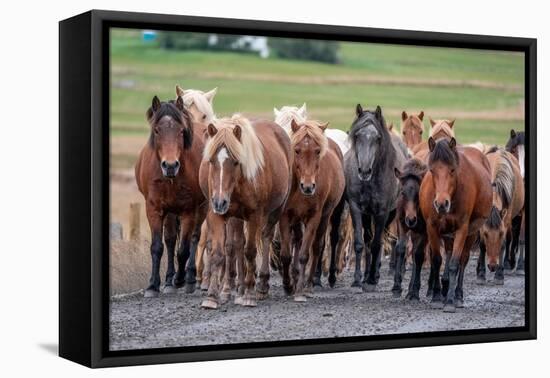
414	121
442	126
414	168
518	140
494	220
503	178
442	152
286	115
195	97
248	151
356	126
314	131
169	109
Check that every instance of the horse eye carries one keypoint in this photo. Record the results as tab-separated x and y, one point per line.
421	132
318	152
204	116
235	163
297	151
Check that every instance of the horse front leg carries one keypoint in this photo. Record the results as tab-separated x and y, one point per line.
435	253
232	228
268	233
371	281
399	252
217	235
184	251
419	246
317	250
286	258
304	254
155	218
453	265
358	242
170	238
335	233
480	268
459	292
254	225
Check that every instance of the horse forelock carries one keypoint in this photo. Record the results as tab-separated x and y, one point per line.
195	97
182	118
503	178
361	122
414	168
314	131
248	151
494	220
413	121
442	127
286	115
443	153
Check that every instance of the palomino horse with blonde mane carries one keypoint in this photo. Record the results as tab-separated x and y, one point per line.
412	128
455	200
240	161
317	188
441	128
198	103
499	231
167	175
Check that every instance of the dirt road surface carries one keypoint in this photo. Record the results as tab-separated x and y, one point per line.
178	320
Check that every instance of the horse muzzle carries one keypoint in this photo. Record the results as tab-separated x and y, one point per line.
411	221
220	205
442	207
365	174
170	170
307	189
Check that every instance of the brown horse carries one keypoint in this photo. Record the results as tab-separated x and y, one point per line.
317	188
508	199
245	174
455	200
412	128
439	129
167	173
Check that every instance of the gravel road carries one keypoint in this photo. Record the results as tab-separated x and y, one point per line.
178	320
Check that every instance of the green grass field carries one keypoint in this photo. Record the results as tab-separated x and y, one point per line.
483	90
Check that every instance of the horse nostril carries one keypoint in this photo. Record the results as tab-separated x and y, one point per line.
177	164
163	164
447	203
312	186
369	171
360	170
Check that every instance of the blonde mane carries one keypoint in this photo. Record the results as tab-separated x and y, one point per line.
286	114
201	100
503	177
314	131
248	151
442	126
413	121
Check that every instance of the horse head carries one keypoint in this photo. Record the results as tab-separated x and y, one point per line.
171	133
198	103
410	179
412	128
443	164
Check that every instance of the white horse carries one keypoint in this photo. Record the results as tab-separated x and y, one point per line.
286	114
198	103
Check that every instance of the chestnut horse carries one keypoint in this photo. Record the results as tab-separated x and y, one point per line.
317	188
439	129
412	128
410	222
455	200
498	232
167	173
245	173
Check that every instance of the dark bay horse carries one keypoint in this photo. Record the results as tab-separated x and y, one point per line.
500	233
167	174
317	188
410	223
371	187
245	174
412	128
455	200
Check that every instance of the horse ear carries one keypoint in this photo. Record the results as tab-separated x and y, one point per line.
211	130
179	103
397	172
432	122
452	143
276	112
421	115
155	104
323	126
210	95
451	123
294	125
431	143
358	110
303	111
378	112
390	127
512	133
179	91
237	131
404	115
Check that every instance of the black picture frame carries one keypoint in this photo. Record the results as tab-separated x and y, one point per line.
84	187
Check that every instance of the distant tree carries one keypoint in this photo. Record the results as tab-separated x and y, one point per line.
200	41
305	49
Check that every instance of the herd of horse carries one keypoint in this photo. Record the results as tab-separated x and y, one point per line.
292	193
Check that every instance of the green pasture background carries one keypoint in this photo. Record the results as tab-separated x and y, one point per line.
483	90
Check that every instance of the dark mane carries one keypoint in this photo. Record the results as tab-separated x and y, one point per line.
494	221
361	122
514	142
414	169
442	152
182	117
491	150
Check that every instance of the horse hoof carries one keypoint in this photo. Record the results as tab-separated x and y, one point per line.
356	284
429	293
224	297
249	302
300	298
480	281
204	286
437	305
449	307
317	283
459	303
189	287
331	281
149	293
520	272
288	290
261	295
169	290
209	303
391	272
396	293
238	300
498	281
369	288
413	297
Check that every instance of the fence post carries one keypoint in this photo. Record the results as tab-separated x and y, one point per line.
135	231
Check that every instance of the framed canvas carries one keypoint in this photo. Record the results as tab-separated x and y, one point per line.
235	188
